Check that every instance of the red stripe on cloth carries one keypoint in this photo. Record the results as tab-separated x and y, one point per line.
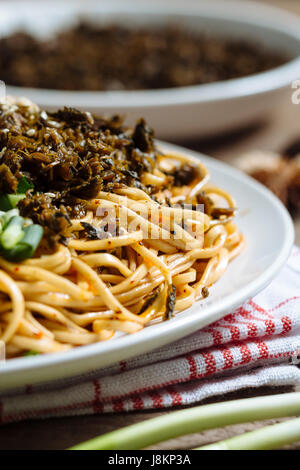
279	355
263	350
97	405
157	399
28	389
230	318
123	365
1	413
217	336
246	354
228	358
176	397
284	302
235	333
270	327
286	325
138	403
249	315
193	367
210	362
252	329
243	313
118	406
260	309
146	389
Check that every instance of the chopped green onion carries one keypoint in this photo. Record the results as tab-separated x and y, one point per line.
19	237
12	232
31	353
196	419
266	438
24	185
5	204
10	201
6	216
2	222
15	198
28	244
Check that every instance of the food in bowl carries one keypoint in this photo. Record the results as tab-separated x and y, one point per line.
90	57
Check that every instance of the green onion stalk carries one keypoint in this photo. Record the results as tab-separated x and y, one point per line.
196	419
266	438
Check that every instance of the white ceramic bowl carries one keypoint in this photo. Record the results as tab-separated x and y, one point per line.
183	112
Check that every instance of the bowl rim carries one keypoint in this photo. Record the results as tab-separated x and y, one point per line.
264	16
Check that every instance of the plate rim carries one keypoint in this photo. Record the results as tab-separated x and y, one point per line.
171	331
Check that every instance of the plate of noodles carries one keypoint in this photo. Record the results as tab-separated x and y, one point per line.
113	244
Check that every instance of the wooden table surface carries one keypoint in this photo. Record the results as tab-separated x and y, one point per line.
273	134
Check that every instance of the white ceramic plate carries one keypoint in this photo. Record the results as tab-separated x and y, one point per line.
269	233
184	112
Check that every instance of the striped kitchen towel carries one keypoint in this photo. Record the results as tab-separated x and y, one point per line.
258	344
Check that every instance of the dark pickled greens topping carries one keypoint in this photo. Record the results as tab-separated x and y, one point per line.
8	182
52	163
208	204
71	152
40	208
63	158
220	211
170	304
184	175
218	214
93	233
113	57
149	301
143	136
214	212
205	292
